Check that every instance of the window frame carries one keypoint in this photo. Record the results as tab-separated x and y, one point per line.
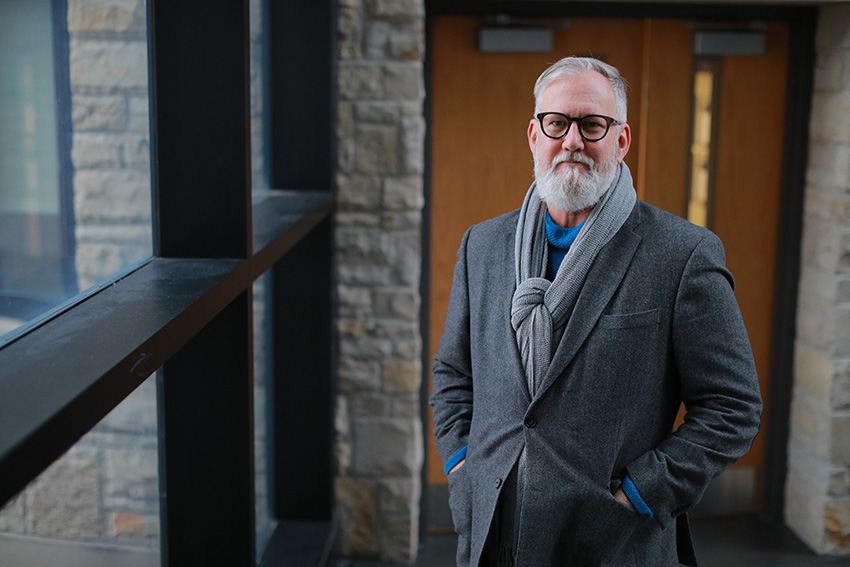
188	310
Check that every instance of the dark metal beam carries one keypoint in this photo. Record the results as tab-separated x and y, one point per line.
302	389
200	133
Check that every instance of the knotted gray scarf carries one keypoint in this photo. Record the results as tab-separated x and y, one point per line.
541	308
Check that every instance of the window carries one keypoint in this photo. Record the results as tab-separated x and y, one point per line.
186	314
75	206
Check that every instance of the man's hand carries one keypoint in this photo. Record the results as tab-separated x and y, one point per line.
460	464
619	495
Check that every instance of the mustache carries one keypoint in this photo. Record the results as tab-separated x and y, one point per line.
574	157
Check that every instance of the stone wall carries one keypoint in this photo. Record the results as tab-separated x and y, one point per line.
378	238
817	504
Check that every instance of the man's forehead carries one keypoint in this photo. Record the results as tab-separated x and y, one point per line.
585	88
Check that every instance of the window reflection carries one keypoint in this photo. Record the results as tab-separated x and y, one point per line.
104	490
75	206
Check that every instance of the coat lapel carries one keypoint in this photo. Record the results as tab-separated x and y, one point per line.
602	281
513	357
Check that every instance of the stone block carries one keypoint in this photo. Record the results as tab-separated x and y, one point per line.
13	518
355	375
354	273
402	220
828	171
406	405
96	150
813	371
809	426
396	9
376	149
377	39
404	80
837	523
366	348
368	404
139	118
403	193
358	192
99	113
398	519
362	219
842	328
345	119
131	475
397	304
402	376
361	244
386	446
97	192
839	483
406	257
804	512
407	41
356	502
137	152
830	120
64	501
354	302
840	429
377	112
105	66
111	16
360	81
413	141
349	30
840	392
820	284
828	71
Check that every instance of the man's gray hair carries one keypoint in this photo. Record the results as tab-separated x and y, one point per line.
574	66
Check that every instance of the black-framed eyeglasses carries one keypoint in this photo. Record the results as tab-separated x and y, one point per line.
592	127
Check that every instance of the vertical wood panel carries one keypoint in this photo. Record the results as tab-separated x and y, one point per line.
748	189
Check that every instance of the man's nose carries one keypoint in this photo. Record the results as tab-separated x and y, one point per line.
572	140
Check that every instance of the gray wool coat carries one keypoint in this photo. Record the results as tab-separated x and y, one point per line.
656	324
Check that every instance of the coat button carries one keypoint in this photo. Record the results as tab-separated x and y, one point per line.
498	483
530	422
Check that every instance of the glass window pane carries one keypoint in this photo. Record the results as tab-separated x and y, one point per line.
262	372
259	96
99	503
75	199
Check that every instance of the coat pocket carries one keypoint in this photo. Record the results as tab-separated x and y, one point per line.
460	499
630	320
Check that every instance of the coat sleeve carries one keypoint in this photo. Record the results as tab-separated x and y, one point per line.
719	387
452	368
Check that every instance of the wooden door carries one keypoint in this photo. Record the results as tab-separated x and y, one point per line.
482	168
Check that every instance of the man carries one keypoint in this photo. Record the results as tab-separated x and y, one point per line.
576	328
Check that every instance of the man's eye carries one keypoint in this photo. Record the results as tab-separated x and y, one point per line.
593	124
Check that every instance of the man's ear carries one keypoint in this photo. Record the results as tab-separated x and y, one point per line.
532	135
624	141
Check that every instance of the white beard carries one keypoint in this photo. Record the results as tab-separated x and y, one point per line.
574	190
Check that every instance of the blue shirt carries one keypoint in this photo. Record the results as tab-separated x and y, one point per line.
560	239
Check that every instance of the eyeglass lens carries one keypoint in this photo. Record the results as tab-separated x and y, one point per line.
592	127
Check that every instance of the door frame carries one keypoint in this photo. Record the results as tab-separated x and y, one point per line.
802	21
